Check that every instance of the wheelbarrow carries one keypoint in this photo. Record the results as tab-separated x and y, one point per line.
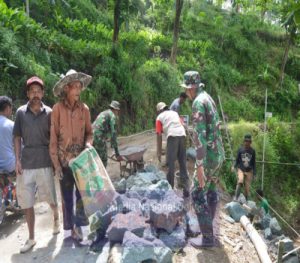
133	160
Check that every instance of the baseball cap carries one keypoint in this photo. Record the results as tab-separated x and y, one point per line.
34	79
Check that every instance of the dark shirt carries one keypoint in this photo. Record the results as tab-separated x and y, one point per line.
34	129
245	160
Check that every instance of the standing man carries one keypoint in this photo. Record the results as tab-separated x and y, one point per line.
246	167
175	106
71	132
169	123
7	155
104	127
209	157
33	165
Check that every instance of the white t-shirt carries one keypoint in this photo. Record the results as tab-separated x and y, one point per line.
170	124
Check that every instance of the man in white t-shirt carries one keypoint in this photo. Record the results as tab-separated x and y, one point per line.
7	155
169	123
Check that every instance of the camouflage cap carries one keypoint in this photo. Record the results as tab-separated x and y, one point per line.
190	78
115	105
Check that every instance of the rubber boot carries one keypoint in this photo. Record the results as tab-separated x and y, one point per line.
212	200
237	192
207	238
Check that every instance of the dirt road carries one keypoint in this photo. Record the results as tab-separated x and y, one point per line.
49	248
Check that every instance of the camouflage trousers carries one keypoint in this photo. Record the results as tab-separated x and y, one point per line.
205	201
101	148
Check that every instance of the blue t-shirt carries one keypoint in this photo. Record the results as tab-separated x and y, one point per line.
175	106
7	155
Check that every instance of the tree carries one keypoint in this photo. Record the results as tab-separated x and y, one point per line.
291	14
117	14
179	4
124	10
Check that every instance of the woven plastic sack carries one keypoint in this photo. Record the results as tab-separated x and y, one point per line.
93	182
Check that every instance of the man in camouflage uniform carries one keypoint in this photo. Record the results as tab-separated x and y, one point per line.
209	157
104	127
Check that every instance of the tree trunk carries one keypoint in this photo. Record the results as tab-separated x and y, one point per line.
285	58
263	10
179	4
117	12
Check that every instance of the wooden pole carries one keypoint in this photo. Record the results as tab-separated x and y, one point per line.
264	146
227	132
259	244
280	251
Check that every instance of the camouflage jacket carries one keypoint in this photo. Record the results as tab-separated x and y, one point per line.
206	132
104	127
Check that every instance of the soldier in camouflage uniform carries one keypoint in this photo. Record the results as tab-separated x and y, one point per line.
104	127
209	156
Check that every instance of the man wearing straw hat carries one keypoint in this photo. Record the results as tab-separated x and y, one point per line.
104	127
71	132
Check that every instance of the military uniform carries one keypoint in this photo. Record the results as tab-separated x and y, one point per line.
209	154
104	127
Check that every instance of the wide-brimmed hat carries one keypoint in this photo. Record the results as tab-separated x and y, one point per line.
71	75
190	78
115	105
160	106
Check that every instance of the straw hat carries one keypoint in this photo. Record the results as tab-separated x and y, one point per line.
71	76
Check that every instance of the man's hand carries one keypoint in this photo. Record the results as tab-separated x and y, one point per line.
119	158
19	169
159	158
58	173
201	177
88	145
232	169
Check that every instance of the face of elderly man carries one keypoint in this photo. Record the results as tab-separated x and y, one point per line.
73	90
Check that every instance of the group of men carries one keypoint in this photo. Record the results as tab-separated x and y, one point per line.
46	138
209	153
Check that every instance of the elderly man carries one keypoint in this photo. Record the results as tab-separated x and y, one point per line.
34	166
104	127
169	123
71	132
209	156
7	155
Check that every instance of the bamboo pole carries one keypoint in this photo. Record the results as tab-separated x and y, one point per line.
264	146
259	244
280	251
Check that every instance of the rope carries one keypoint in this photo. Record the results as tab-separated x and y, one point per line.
292	164
136	134
252	189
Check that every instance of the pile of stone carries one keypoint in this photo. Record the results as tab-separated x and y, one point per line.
147	217
267	226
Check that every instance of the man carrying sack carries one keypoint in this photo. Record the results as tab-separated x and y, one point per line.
71	132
